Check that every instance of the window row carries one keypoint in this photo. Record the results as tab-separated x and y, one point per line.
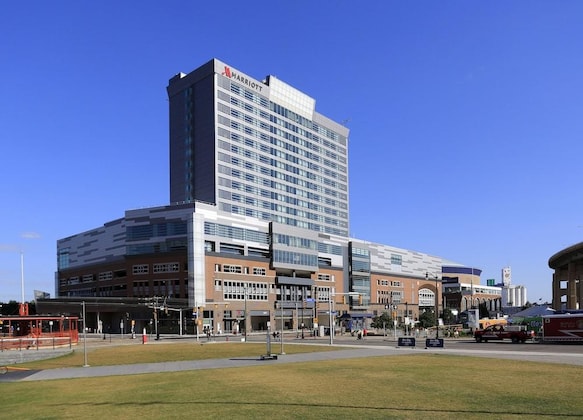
250	192
295	258
232	232
315	155
389	296
284	220
238	269
325	277
153	230
260	100
289	172
294	241
250	200
236	290
392	283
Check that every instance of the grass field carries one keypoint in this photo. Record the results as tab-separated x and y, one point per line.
405	386
153	353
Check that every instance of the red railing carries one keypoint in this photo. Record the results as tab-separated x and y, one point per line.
32	343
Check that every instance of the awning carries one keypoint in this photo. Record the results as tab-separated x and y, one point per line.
297	281
361	315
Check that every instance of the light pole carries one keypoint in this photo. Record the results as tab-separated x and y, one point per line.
156	315
330	321
407	318
281	326
84	337
436	310
22	276
245	319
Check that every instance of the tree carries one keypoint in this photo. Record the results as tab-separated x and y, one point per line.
382	321
12	308
427	319
447	316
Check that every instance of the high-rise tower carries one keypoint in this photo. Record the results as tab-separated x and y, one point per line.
257	149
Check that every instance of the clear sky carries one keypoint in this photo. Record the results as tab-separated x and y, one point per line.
466	118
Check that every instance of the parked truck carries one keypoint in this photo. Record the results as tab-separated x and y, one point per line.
562	328
515	333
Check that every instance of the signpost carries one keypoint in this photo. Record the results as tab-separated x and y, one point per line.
434	343
406	342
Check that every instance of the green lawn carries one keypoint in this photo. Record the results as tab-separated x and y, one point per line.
174	352
404	386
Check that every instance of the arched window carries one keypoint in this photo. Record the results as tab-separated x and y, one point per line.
426	297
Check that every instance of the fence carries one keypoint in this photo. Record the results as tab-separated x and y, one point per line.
27	343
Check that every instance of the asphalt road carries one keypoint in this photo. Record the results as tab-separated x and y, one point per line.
532	351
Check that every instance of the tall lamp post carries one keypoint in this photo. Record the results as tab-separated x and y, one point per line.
85	364
281	327
245	319
22	277
436	310
330	320
436	304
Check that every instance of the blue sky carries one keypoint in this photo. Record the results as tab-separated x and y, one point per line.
465	117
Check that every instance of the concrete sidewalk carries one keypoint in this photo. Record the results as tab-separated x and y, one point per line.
137	369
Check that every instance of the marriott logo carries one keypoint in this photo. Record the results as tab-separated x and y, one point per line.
242	79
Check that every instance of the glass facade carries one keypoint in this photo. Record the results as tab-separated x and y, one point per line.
233	232
276	159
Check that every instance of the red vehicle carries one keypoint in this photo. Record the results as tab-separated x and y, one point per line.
516	333
563	328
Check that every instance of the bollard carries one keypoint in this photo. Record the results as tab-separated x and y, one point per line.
144	336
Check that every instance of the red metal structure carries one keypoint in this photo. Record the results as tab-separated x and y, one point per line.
19	332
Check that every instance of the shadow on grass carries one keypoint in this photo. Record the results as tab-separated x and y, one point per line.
330	406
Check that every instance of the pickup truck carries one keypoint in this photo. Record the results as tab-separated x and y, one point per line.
516	333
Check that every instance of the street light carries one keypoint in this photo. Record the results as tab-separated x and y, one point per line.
281	327
436	304
331	332
85	364
245	319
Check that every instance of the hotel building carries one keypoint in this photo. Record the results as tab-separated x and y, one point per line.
256	233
